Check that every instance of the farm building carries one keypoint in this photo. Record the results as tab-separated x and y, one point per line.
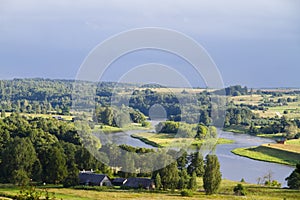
136	183
92	179
119	181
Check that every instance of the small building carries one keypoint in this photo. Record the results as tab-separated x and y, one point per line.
119	181
136	183
57	117
282	141
92	179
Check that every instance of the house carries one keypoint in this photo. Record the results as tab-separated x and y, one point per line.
282	141
92	179
119	181
57	117
136	183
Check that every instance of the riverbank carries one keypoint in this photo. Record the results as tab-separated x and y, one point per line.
287	154
167	140
243	130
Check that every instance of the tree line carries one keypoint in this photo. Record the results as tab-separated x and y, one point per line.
43	150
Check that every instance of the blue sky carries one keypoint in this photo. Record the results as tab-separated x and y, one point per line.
253	42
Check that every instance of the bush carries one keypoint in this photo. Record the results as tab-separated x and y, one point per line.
146	124
186	193
239	190
273	183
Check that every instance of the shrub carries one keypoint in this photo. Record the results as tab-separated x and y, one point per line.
186	193
239	190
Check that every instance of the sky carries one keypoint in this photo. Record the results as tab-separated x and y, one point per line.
252	42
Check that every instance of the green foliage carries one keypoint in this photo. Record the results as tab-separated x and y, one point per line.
183	180
3	114
239	190
31	148
212	175
273	183
30	193
54	164
235	90
293	180
182	160
197	164
146	124
169	176
186	193
20	177
118	117
157	181
17	160
201	131
185	130
72	177
192	185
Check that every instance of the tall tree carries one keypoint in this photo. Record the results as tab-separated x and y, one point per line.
212	175
192	185
293	180
182	160
54	164
158	184
196	165
169	176
18	158
183	180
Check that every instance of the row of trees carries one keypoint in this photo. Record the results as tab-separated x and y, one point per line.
184	130
178	176
120	117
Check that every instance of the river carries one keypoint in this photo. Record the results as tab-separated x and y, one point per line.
233	167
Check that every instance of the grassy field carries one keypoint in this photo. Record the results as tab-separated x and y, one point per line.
247	99
64	117
293	108
168	140
275	136
288	154
226	192
112	129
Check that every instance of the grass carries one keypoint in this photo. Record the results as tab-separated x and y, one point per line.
226	192
270	153
247	99
274	136
294	148
167	140
65	117
112	129
294	141
293	108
